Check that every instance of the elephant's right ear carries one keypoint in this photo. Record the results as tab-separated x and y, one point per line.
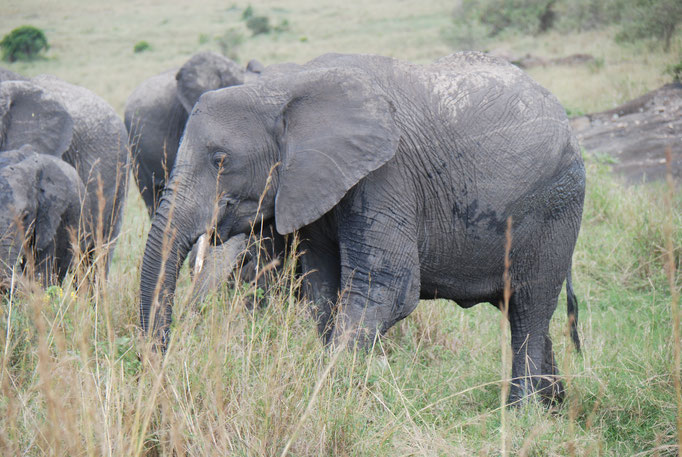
61	193
335	130
30	115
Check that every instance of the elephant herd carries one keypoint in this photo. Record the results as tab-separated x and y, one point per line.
460	179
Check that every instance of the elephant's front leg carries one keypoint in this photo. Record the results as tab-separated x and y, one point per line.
379	273
320	267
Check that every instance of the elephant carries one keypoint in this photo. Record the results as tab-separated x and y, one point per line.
157	110
67	129
401	180
42	198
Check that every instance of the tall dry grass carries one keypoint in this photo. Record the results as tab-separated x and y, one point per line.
78	378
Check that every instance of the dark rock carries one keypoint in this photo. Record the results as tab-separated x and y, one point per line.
636	134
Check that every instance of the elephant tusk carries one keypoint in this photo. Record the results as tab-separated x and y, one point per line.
202	243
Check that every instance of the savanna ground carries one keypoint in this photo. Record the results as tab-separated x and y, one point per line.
240	382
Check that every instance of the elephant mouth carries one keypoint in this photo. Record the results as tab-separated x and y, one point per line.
233	217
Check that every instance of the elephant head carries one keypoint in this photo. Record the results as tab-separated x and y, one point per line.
203	72
157	111
319	130
40	205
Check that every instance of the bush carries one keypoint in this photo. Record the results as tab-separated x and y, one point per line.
247	13
141	46
229	43
652	19
588	14
477	20
23	43
676	72
258	24
527	16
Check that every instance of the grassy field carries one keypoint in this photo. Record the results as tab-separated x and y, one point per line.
239	382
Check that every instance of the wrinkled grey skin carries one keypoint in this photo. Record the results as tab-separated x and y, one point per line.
156	113
9	75
400	179
72	124
41	197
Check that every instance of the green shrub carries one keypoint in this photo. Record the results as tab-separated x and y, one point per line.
475	21
229	43
247	13
141	46
588	14
23	43
527	16
258	24
204	38
656	19
282	26
676	72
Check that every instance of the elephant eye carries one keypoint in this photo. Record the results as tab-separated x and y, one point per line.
219	159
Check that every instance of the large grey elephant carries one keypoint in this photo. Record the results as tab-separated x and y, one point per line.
58	133
400	179
157	110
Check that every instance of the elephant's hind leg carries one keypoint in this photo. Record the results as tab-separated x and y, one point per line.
534	369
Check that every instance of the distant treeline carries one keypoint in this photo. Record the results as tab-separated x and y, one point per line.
478	20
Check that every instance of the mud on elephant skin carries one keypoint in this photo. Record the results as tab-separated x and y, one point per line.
67	127
400	179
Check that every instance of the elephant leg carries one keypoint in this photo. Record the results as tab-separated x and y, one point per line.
320	268
379	272
534	369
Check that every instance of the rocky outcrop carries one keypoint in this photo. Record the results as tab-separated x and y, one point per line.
636	134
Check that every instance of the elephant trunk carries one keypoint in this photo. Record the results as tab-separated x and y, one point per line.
167	247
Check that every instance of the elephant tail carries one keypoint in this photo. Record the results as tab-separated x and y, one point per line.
572	311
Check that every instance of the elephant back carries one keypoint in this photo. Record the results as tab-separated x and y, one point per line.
98	151
9	75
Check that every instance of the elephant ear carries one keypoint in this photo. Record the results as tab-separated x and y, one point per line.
255	66
336	129
203	72
30	115
60	195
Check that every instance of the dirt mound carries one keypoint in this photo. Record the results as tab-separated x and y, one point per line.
636	133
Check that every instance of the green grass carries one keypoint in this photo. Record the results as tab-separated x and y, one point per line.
76	378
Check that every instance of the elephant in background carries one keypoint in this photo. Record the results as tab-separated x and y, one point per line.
400	180
42	199
70	145
157	110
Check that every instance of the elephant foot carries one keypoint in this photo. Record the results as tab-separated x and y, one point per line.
548	389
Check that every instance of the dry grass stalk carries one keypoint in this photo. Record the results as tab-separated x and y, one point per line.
504	341
674	291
